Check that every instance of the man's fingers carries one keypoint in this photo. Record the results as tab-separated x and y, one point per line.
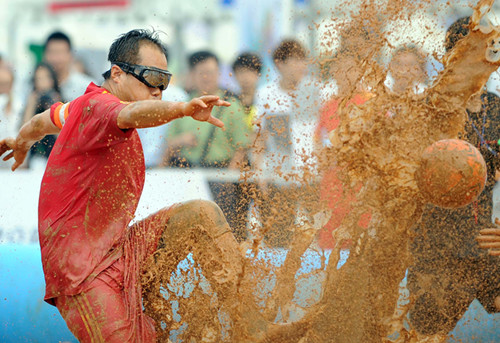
494	252
489	245
490	231
6	145
214	121
209	98
487	238
223	103
3	149
201	103
15	165
497	221
9	156
214	101
198	102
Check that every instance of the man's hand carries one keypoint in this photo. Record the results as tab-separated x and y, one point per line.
19	151
201	109
490	239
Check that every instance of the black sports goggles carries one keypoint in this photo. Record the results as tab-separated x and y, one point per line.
150	76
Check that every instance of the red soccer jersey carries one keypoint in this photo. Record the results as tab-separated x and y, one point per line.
89	193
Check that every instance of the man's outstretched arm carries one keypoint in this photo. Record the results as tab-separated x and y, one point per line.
149	113
35	129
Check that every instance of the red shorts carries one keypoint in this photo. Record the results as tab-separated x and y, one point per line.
100	314
110	308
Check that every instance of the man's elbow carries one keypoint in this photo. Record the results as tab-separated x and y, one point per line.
37	122
126	119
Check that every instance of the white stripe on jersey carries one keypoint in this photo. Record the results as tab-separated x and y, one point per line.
61	113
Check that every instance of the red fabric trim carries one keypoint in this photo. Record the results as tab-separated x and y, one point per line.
57	6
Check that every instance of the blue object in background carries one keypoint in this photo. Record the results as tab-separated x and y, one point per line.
24	316
476	325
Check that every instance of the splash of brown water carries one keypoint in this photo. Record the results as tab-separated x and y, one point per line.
380	152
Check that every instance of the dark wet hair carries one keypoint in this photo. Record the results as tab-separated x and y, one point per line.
126	47
52	73
200	56
248	60
289	48
458	30
57	36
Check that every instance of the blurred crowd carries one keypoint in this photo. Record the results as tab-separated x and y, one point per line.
273	127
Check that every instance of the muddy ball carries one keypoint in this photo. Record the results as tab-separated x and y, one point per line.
452	173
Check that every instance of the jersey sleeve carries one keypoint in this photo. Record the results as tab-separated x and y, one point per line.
59	113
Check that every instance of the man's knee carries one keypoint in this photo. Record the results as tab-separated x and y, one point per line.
203	207
198	213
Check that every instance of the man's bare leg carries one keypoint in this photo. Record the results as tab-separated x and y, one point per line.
196	227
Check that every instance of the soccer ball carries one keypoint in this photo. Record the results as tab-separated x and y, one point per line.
452	173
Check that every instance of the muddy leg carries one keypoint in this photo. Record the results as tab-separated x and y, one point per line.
196	227
201	227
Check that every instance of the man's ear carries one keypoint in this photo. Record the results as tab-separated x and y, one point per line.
116	73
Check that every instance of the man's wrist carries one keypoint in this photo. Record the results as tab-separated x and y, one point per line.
186	112
23	144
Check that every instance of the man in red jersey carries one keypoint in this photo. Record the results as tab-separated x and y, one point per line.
91	187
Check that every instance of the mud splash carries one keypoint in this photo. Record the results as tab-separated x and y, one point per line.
377	147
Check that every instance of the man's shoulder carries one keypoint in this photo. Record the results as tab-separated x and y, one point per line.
96	98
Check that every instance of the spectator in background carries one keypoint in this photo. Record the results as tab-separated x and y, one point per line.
80	67
154	138
58	53
247	70
191	144
10	108
45	92
407	71
287	110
